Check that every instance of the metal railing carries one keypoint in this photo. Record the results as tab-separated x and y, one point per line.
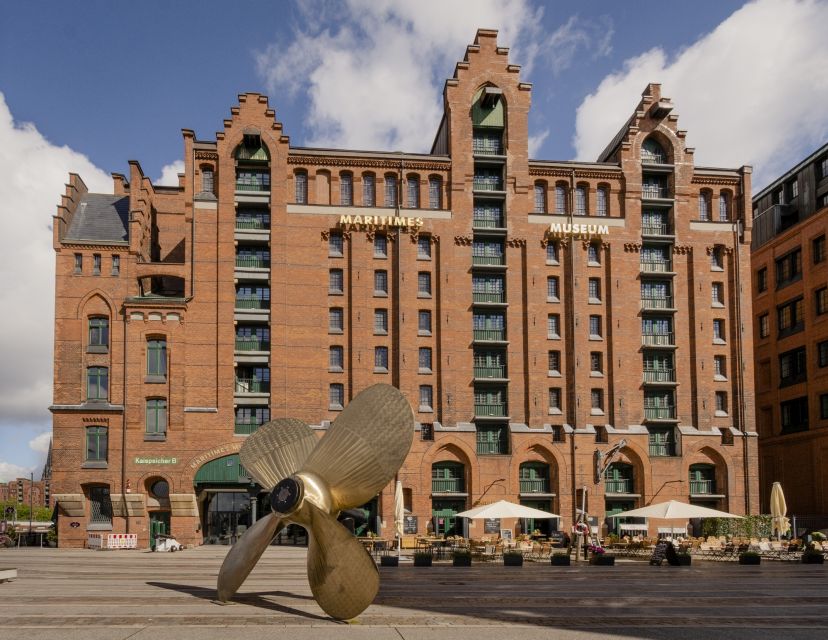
246	428
491	448
658	339
534	485
252	303
496	410
252	344
702	487
619	485
253	262
490	372
258	183
660	413
661	302
480	221
483	146
662	449
448	485
253	222
654	191
490	334
656	229
252	385
657	266
487	183
489	297
659	375
488	260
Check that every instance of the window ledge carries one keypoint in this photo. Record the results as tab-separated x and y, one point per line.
380	332
552	299
716	268
335	407
718	341
155	379
380	369
421	332
335	369
380	294
594	301
379	256
555	412
335	292
553	374
99	526
720	378
155	437
593	264
423	370
553	336
596	412
420	294
95	464
596	374
720	414
594	336
718	305
425	409
553	263
425	258
97	348
335	331
336	255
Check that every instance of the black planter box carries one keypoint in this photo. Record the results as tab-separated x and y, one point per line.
422	561
510	560
461	561
750	559
602	560
560	561
813	558
389	561
684	560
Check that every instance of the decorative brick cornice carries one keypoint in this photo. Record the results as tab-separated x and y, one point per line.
715	180
632	247
206	155
390	163
79	244
596	174
463	241
683	250
415	235
516	242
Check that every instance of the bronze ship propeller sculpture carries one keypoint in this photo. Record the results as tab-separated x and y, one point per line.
311	481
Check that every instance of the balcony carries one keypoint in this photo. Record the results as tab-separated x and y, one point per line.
660	413
702	487
483	261
490	410
661	302
252	303
253	222
246	428
657	266
656	229
658	340
252	344
487	183
253	262
659	375
448	485
253	182
497	335
490	372
534	485
496	297
487	146
618	485
655	192
252	385
488	221
662	449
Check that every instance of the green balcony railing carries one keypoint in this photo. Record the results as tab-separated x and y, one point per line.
701	487
490	372
494	410
483	146
253	222
655	191
480	221
253	262
498	296
448	485
490	334
656	229
536	485
660	413
246	428
252	385
662	449
487	183
618	485
253	183
660	302
659	375
657	266
492	448
489	260
252	303
658	339
252	344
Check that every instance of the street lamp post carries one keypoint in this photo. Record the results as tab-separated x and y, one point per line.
253	492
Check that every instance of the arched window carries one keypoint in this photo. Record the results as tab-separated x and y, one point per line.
581	200
448	477
704	205
619	478
346	189
652	152
702	479
540	197
390	190
435	192
724	206
534	477
301	187
560	198
412	183
602	201
369	190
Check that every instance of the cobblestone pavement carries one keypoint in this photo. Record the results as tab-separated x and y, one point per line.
137	595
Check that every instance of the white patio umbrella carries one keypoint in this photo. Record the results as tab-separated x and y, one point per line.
778	509
399	514
505	509
673	509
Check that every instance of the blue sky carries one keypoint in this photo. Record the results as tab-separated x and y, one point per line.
88	86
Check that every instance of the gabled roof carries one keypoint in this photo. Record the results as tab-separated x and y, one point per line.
100	218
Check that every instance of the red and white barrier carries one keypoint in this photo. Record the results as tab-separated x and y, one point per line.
111	540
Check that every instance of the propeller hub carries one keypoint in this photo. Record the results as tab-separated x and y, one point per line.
287	496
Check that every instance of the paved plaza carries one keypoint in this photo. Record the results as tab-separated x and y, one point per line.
137	595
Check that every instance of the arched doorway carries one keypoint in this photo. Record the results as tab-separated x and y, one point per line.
448	497
535	492
230	500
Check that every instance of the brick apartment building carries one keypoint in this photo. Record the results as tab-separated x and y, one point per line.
535	313
24	491
790	309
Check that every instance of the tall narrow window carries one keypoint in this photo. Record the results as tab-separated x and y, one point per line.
336	281
719	368
380	359
346	189
426	397
78	263
560	199
435	192
593	256
96	264
424	284
157	416
423	248
157	358
336	396
552	253
413	196
424	360
718	294
380	282
335	320
424	322
301	180
597	400
100	505
369	190
335	245
207	180
98	334
581	201
116	265
595	326
724	207
97	383
336	358
818	249
554	400
552	289
601	200
540	197
390	190
381	322
721	403
554	363
596	363
718	331
553	326
96	444
380	246
594	290
704	206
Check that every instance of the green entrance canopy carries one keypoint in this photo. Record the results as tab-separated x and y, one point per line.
223	470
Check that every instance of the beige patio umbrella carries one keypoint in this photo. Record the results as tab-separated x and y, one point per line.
505	509
778	509
673	509
399	514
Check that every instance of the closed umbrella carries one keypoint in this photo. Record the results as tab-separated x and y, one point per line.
505	509
778	509
399	514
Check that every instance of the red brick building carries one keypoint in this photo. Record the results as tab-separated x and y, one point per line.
24	491
535	313
790	310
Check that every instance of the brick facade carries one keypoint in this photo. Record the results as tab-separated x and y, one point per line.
194	259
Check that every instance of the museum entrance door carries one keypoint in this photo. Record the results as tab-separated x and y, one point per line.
222	489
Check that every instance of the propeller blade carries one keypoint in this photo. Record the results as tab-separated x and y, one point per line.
343	577
244	555
365	446
276	450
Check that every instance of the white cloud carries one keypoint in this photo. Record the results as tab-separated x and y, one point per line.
394	56
574	36
536	142
750	92
34	174
41	442
169	174
9	472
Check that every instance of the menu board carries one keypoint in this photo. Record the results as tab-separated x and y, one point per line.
491	525
409	524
